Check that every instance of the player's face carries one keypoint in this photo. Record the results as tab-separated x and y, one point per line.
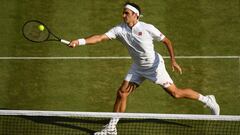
129	16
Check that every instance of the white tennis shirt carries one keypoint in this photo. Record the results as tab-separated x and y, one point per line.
138	40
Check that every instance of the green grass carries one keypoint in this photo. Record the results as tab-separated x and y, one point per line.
195	27
86	85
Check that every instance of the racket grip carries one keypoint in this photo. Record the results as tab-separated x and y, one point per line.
65	41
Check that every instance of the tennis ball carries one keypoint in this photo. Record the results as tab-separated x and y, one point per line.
41	27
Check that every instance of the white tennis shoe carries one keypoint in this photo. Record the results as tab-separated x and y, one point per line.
213	105
107	130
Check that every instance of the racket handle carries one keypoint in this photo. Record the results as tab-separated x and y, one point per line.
65	41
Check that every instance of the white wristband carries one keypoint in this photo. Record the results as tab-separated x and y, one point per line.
81	41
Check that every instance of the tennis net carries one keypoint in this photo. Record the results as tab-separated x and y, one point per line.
23	122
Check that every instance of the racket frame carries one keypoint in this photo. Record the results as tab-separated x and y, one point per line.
56	38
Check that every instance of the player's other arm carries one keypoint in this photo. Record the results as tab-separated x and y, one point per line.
157	35
89	40
169	46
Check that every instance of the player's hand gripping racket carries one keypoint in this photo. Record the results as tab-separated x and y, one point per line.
37	31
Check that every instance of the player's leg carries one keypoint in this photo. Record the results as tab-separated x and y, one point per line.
182	93
122	94
166	82
120	106
161	77
132	80
188	93
130	83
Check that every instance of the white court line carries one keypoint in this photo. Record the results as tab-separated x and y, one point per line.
113	58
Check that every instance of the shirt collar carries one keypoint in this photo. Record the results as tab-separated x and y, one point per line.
135	26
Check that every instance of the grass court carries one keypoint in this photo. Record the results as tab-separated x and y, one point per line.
196	28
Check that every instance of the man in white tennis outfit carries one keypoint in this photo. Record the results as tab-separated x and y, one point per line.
138	38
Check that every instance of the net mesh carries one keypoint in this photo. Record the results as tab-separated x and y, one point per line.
86	123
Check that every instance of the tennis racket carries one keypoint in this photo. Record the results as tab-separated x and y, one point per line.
38	32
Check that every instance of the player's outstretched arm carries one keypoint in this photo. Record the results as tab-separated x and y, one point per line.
168	43
89	40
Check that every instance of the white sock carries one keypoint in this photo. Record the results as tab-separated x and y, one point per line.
203	99
113	122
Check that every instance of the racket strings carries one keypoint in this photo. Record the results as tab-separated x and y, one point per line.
32	32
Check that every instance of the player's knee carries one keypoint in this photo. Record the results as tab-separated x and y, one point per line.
177	94
123	93
126	89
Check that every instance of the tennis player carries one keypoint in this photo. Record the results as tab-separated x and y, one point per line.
138	38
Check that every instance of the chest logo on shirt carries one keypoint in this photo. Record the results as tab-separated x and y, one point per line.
139	33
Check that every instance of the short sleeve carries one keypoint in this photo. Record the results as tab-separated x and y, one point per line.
112	33
155	33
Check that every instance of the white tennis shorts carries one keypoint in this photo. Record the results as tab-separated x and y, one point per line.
157	74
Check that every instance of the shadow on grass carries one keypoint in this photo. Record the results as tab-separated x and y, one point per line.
91	125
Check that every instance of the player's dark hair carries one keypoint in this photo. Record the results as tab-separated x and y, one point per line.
134	5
